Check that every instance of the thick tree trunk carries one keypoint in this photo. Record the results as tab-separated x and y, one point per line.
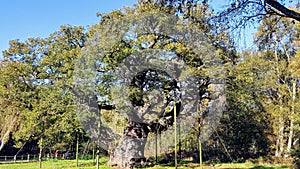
129	150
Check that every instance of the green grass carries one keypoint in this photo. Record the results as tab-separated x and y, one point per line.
56	164
88	164
225	166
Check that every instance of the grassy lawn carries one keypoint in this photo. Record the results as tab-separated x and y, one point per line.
56	164
226	166
88	164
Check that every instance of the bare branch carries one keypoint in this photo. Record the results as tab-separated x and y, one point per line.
280	9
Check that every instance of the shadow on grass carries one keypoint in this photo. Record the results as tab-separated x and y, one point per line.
170	163
264	167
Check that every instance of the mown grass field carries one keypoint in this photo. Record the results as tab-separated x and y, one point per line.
88	164
56	164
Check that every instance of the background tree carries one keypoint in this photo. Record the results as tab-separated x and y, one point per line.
279	46
49	65
244	127
16	95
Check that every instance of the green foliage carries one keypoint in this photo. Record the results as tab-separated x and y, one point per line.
245	124
296	155
43	76
15	96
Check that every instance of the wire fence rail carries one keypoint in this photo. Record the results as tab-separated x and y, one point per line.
19	158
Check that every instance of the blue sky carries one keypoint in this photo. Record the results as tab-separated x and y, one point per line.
21	19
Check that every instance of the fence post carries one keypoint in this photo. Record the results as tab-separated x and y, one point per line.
15	159
5	158
28	157
21	157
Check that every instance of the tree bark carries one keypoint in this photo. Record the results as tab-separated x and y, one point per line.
8	127
280	137
282	10
129	151
4	138
291	132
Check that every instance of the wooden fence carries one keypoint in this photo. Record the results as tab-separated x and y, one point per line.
19	158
